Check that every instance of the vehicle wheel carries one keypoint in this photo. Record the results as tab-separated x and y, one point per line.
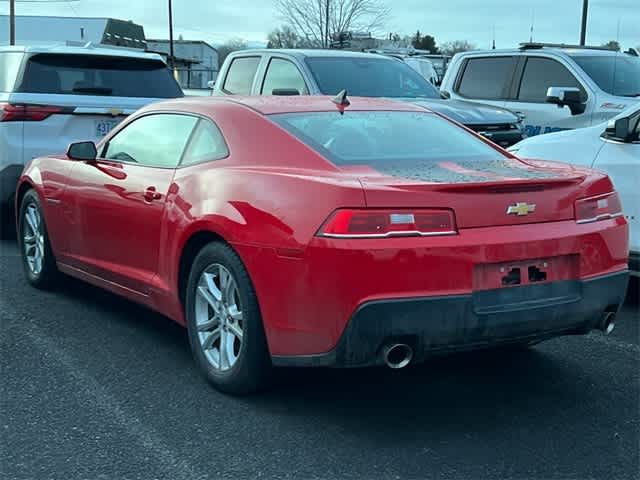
37	257
224	322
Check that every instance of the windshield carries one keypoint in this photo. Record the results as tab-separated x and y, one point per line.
369	77
398	139
99	75
617	74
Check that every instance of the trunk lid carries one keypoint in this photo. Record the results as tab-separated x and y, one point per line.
491	193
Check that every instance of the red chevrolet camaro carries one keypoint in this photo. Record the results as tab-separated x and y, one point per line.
297	232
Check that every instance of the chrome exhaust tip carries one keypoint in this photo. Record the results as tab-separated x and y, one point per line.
608	324
397	355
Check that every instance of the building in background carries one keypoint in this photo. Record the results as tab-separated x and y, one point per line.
42	29
196	62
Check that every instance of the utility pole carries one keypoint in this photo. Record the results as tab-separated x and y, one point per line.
12	22
171	56
326	25
583	30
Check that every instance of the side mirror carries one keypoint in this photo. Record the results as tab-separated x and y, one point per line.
567	96
211	84
285	92
445	95
619	130
84	151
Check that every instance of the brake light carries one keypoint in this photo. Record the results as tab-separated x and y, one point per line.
374	223
598	208
26	113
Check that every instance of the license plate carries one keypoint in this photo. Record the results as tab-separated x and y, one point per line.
525	272
103	127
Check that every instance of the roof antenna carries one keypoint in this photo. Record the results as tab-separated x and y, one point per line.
494	37
533	20
341	101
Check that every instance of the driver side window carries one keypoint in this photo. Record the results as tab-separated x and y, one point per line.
156	140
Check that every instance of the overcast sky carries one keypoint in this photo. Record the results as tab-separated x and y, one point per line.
473	20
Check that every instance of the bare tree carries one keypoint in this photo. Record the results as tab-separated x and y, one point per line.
308	18
230	46
284	37
612	45
456	46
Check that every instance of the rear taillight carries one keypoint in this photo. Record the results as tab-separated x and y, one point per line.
26	113
374	223
598	208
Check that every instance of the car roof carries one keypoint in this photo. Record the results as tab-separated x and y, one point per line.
309	53
268	105
85	49
569	51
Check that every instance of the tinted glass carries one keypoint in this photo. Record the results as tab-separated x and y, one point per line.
369	77
542	73
282	74
615	74
99	75
9	66
154	140
207	143
486	78
240	76
373	138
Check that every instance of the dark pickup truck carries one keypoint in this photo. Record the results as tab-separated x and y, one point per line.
327	72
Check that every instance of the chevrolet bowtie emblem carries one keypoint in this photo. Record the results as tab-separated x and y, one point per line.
114	112
521	209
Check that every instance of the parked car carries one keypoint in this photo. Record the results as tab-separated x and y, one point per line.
420	65
613	147
53	95
555	87
438	61
365	232
327	72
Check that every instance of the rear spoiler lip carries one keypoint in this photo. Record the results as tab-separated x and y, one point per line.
541	183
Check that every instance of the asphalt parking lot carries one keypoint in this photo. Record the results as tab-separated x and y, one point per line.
93	387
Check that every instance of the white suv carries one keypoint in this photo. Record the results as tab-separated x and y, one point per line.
554	87
52	96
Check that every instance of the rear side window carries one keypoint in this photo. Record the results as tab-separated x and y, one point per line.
401	139
283	74
153	140
486	78
99	75
542	73
207	143
9	66
240	76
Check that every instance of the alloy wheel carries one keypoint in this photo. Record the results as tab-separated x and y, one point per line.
33	239
219	317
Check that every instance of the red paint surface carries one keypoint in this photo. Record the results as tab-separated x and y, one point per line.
269	198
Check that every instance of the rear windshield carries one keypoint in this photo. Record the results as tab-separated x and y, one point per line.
617	74
401	139
9	66
99	75
369	77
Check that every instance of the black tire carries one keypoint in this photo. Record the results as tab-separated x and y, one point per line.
45	277
252	369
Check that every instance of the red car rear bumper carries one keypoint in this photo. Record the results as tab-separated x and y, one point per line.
338	301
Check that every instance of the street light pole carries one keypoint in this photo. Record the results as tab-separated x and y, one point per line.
171	57
326	26
583	30
12	22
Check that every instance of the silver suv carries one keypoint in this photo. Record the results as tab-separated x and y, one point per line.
554	87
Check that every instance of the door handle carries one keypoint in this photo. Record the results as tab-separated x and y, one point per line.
150	194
